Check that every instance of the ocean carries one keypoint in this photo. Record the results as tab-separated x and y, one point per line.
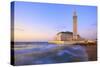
28	53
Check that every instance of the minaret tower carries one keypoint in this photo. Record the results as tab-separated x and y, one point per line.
74	25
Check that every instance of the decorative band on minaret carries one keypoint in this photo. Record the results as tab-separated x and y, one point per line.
74	25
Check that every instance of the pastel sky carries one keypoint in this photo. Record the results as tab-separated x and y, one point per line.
42	21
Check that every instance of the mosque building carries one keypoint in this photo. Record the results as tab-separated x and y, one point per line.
69	36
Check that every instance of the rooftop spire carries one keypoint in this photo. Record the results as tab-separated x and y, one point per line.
74	13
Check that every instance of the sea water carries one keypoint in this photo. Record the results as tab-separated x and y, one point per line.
45	53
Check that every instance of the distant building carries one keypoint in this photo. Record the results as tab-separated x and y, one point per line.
74	25
69	36
65	36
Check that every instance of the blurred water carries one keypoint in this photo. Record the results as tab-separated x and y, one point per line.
45	53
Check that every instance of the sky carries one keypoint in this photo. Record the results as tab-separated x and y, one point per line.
42	21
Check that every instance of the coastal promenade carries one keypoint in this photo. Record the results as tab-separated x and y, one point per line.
73	42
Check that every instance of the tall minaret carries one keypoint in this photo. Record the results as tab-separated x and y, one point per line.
74	25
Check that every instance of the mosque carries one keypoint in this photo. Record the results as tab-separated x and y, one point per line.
69	36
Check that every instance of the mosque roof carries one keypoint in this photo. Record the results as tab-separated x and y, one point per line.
67	32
